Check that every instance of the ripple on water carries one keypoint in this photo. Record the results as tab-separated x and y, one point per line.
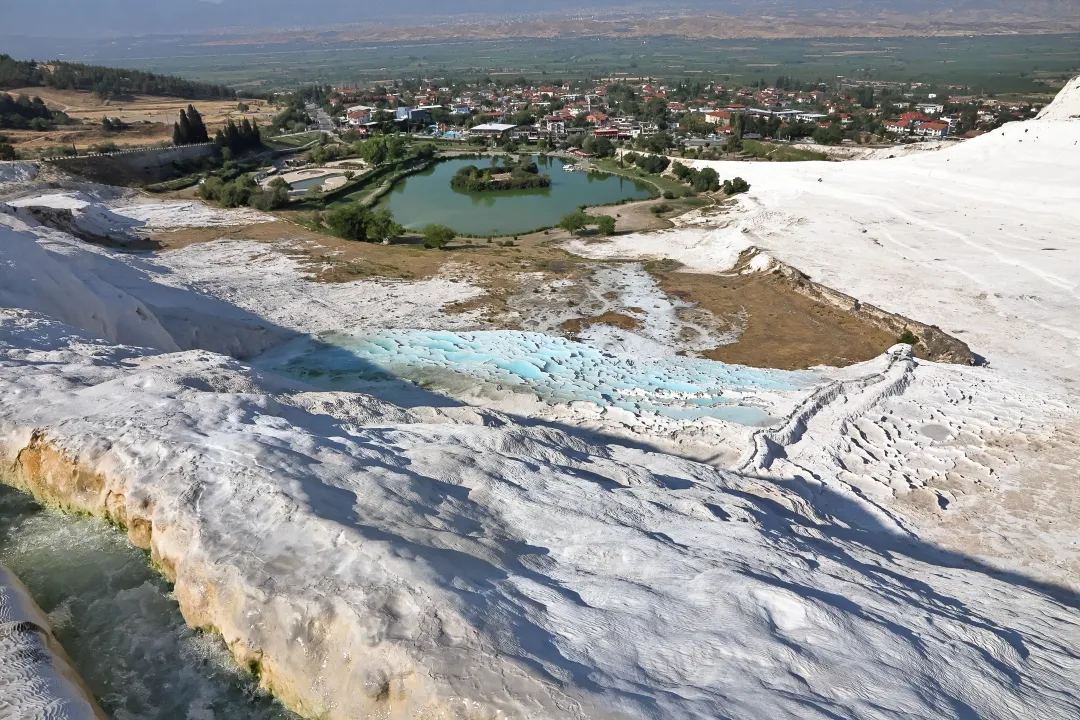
119	623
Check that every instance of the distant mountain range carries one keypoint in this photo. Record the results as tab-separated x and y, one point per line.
125	18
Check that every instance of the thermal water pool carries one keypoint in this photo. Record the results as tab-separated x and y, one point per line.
555	369
115	618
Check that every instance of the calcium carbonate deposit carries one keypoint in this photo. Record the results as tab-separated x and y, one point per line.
373	531
114	616
555	369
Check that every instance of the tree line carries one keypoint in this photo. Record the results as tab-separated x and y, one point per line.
25	113
190	130
105	81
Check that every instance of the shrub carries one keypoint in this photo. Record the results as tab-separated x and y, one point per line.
907	338
652	164
275	196
350	221
437	237
574	222
660	209
669	195
735	186
705	180
7	151
605	225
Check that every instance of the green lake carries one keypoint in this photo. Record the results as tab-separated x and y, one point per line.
427	197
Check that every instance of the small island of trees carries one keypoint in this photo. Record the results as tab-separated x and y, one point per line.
509	176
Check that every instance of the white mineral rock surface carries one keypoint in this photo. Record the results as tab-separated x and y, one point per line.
36	680
899	541
981	239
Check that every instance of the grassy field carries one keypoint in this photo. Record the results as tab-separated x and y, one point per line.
290	142
1000	64
779	153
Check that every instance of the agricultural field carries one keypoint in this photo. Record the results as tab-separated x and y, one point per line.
999	64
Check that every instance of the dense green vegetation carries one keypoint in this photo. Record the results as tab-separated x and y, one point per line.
510	176
652	164
238	138
704	180
190	129
243	190
437	237
708	180
579	220
105	81
24	113
293	118
356	221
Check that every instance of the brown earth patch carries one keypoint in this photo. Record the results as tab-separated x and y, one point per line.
149	118
496	268
781	328
619	320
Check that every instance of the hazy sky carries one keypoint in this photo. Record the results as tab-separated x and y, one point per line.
82	18
103	18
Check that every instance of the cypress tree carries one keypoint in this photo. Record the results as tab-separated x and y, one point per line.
185	129
232	135
198	127
177	135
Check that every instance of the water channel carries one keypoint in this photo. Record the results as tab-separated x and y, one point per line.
427	197
117	621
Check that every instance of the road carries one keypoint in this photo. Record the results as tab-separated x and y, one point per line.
323	121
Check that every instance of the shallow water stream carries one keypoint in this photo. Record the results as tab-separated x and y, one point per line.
116	619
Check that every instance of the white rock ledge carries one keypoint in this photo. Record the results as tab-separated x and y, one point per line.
36	677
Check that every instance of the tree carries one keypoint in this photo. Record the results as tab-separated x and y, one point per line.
437	236
738	125
374	151
183	130
198	132
831	135
599	146
350	221
704	180
382	226
574	222
7	151
605	224
273	197
735	186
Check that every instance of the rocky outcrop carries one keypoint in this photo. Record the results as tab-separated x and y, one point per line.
931	342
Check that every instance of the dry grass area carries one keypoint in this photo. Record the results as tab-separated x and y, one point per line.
151	118
781	327
615	319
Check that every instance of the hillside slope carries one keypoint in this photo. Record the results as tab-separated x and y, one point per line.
422	555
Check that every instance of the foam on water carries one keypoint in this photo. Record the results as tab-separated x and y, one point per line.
117	621
554	368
